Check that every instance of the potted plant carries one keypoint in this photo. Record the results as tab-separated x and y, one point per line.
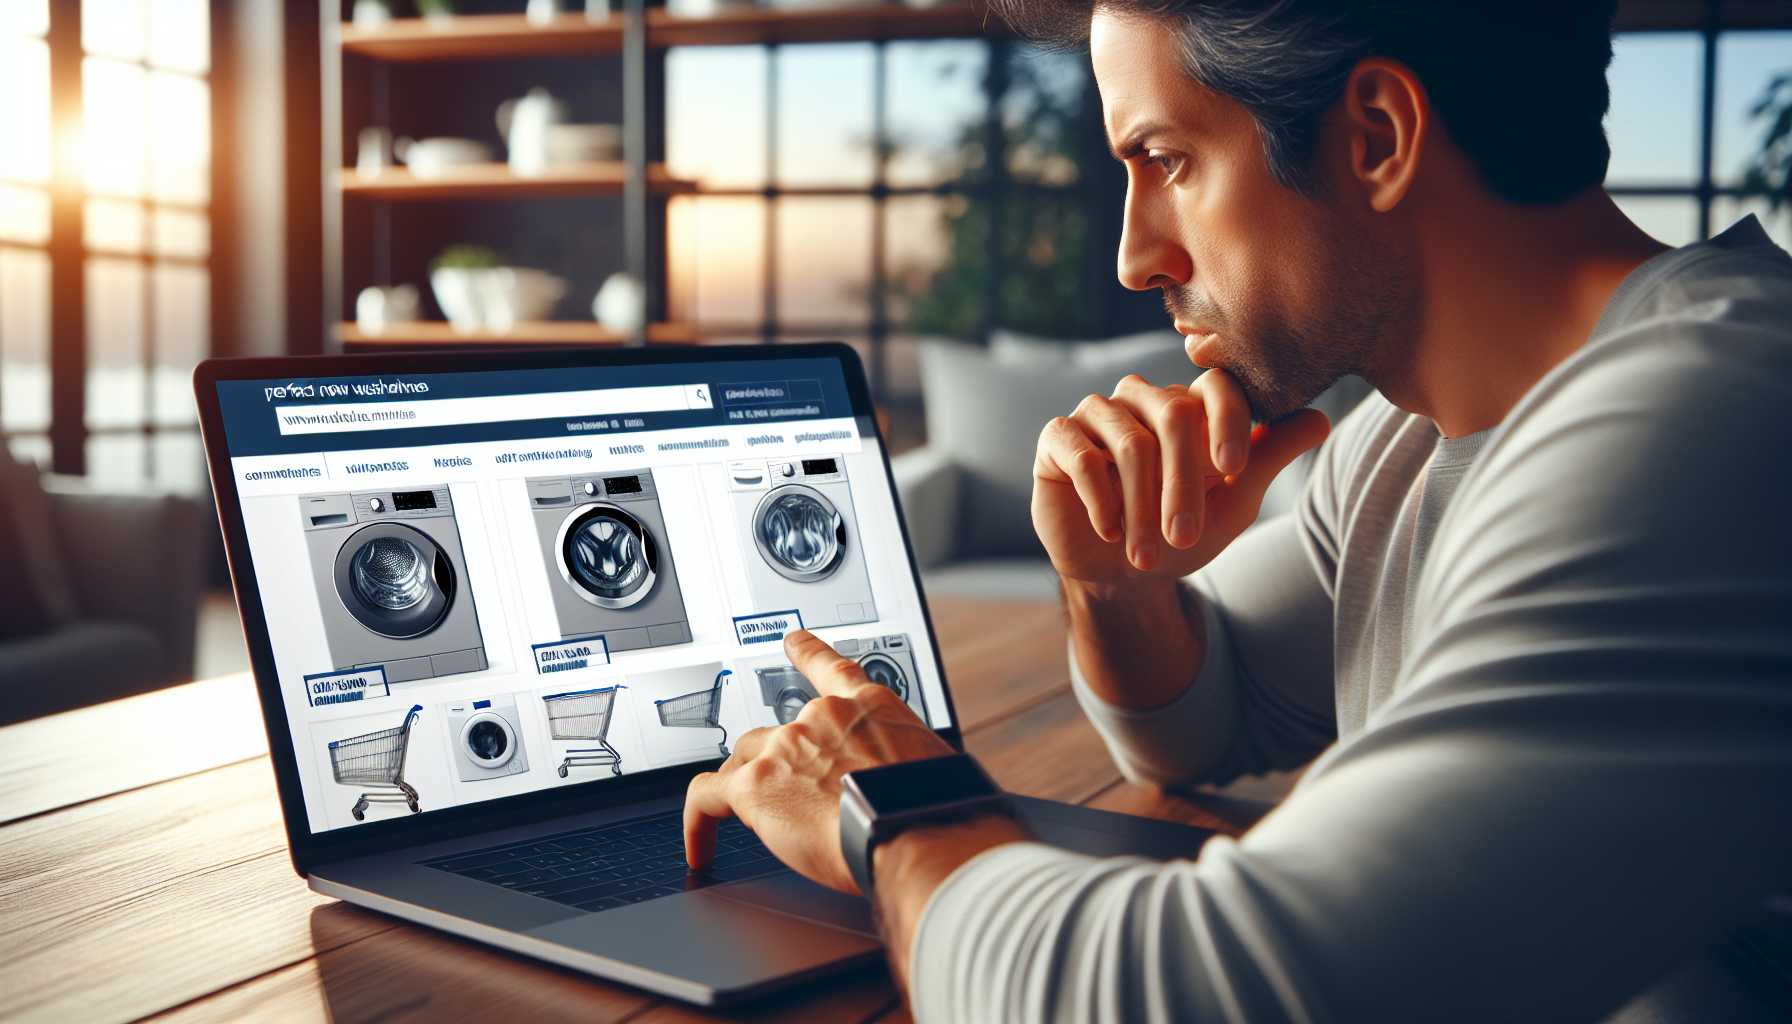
436	10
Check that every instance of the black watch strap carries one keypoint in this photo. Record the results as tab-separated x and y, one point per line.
877	803
857	842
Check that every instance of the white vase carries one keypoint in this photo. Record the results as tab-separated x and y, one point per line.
621	304
454	291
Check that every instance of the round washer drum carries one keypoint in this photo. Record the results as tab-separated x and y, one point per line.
885	672
790	703
394	580
488	740
799	533
607	556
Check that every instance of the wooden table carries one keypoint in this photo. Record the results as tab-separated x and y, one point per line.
143	868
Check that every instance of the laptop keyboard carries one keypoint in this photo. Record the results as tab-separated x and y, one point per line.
614	865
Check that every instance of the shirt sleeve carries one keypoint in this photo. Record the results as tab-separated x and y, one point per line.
1256	705
1580	781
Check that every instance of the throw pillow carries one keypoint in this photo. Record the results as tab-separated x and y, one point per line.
986	413
38	595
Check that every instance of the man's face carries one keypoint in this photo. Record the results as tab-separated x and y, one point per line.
1284	291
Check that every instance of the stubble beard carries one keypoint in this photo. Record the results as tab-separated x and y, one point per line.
1282	362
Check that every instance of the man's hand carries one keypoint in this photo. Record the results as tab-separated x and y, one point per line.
1156	481
784	783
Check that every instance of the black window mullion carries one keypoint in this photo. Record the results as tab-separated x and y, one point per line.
68	287
1708	118
768	311
995	167
880	150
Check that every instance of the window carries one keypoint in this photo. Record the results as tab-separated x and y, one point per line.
848	192
133	174
25	230
1681	130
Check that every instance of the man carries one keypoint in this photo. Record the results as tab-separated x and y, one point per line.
1533	615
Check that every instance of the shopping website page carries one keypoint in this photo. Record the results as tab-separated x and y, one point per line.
483	584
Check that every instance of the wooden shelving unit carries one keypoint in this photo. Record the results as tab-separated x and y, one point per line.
495	181
480	37
434	334
504	36
832	25
372	231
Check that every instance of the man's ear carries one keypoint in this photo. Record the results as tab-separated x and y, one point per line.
1386	116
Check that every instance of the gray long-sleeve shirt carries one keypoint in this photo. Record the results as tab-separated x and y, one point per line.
1549	667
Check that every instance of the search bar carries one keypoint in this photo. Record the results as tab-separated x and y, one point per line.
351	417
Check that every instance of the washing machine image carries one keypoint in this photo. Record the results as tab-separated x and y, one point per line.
784	690
801	542
610	568
487	737
392	583
889	661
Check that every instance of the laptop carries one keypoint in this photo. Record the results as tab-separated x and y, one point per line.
502	606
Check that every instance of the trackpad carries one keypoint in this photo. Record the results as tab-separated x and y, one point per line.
794	894
717	943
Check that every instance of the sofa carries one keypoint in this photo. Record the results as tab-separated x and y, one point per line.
966	493
99	592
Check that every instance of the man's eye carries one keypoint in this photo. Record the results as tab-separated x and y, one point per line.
1168	163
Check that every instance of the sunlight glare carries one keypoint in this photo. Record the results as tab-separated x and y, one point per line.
113	127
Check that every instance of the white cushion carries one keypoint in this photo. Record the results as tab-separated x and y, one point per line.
985	413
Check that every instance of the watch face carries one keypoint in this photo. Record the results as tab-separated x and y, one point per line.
911	785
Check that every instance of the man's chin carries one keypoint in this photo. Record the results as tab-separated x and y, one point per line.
1271	401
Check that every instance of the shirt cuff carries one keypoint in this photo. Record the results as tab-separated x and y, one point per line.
1179	742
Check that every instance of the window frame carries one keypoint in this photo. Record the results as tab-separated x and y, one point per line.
68	431
995	184
998	184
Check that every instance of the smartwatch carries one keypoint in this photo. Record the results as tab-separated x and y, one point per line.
877	803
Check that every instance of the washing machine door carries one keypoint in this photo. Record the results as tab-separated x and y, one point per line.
395	580
790	703
885	672
607	556
488	740
785	691
799	533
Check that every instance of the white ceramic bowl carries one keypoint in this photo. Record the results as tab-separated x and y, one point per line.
494	299
433	157
583	143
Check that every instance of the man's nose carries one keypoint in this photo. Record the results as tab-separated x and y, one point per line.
1150	255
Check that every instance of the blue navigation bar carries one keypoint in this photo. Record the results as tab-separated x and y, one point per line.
286	417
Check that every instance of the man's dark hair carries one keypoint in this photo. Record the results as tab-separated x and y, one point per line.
1518	84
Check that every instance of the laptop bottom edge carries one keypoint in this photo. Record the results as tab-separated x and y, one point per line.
578	942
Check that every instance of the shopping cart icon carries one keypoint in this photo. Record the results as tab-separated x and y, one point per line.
584	715
375	761
700	709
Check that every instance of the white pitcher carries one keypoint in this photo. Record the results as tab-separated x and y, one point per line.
524	123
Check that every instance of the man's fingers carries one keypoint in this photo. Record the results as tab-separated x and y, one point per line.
748	745
1174	415
705	803
1275	445
1066	453
1228	421
828	670
1135	453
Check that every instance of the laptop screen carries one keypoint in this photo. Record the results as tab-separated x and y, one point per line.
484	584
